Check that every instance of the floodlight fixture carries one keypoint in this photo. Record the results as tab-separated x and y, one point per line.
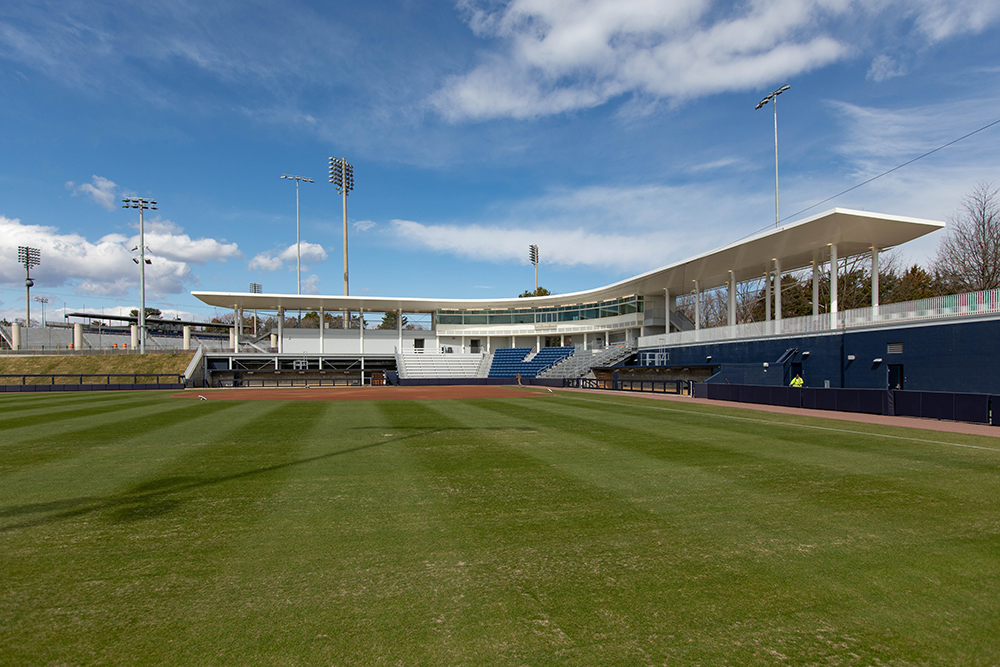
298	242
342	177
774	96
533	258
141	203
29	257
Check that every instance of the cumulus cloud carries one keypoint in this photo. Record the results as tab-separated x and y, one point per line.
556	56
167	239
106	266
274	260
364	225
101	190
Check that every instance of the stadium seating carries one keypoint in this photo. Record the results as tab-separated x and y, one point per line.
509	362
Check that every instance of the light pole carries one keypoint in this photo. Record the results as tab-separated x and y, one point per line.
533	258
141	203
298	245
255	288
774	96
342	176
29	257
42	300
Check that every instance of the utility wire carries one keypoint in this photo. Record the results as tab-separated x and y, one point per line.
873	178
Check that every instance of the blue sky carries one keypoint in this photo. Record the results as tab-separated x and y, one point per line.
617	136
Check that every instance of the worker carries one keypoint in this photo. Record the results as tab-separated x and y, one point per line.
796	381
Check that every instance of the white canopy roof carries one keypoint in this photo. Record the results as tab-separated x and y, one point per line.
797	245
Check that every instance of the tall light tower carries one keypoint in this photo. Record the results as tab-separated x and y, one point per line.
255	288
29	257
42	300
533	258
298	243
141	203
342	176
774	96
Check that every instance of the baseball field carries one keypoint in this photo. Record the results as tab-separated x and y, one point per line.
531	528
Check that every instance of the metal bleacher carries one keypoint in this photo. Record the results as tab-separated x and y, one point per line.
513	361
580	362
438	365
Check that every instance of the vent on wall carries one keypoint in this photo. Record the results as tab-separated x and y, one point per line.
894	348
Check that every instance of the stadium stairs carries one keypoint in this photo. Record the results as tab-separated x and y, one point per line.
414	366
582	361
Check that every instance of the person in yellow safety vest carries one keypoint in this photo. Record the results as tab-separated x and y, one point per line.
796	381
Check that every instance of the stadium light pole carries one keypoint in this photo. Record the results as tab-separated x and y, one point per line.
774	96
533	258
29	257
342	176
298	244
141	203
42	300
255	288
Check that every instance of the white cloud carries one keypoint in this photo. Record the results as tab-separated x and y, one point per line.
104	267
101	190
556	56
364	225
884	67
167	239
274	260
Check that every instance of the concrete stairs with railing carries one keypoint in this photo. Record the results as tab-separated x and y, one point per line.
579	364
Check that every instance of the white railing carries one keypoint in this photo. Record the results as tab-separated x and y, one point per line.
941	307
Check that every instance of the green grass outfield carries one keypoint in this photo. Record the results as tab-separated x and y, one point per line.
566	529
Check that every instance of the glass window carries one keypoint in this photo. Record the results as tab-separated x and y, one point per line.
449	319
498	318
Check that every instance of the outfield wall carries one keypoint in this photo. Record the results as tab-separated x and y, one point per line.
951	355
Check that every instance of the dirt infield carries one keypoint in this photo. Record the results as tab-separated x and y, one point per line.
361	393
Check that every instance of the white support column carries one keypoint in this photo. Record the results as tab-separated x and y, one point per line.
538	343
361	328
671	305
463	345
834	270
399	328
281	330
815	288
697	305
322	332
78	336
767	296
15	336
187	336
731	320
134	342
875	253
777	295
237	327
585	340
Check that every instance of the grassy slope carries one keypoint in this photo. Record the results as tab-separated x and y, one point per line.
562	529
66	364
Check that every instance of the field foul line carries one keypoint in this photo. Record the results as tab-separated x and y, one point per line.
818	428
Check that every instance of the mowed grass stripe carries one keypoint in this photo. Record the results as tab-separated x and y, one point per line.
133	557
758	514
518	531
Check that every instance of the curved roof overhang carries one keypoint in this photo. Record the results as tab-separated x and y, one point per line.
796	245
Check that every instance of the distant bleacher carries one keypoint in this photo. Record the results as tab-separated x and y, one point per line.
512	361
415	365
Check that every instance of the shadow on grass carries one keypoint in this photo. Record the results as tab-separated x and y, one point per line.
158	497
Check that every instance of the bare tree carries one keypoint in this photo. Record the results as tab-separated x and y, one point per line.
968	259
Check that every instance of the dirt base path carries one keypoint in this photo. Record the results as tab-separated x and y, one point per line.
859	418
360	393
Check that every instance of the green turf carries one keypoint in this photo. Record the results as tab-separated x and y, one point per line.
561	529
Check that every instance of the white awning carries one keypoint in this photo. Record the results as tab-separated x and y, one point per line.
797	245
